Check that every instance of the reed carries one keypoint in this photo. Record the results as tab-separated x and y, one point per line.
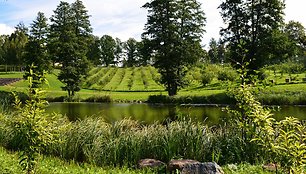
125	142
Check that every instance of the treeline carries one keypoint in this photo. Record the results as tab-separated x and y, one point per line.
65	41
287	43
104	51
255	35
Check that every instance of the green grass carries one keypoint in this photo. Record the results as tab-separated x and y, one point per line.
47	165
138	82
245	169
121	85
116	80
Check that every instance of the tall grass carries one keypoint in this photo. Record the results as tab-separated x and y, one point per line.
125	142
282	98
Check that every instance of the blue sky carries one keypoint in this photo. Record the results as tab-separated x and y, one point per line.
120	18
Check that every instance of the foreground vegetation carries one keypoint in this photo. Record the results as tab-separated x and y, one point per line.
47	165
251	135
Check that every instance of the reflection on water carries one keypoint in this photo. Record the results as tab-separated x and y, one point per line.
147	113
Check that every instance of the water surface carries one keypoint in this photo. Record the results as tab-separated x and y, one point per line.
148	113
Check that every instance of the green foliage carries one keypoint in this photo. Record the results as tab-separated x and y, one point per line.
99	99
13	47
220	98
290	67
227	73
296	32
131	53
207	78
123	79
241	27
57	166
36	49
279	142
69	39
31	130
174	30
245	168
107	50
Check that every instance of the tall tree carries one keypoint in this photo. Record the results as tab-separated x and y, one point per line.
3	39
70	35
144	52
14	46
130	47
82	26
213	51
94	52
250	26
108	48
297	33
36	50
174	28
118	51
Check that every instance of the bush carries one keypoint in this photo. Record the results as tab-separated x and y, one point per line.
221	98
207	78
29	130
99	99
227	74
289	67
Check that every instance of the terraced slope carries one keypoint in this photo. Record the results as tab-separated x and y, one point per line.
123	79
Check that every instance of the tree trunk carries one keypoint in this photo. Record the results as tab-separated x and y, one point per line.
172	90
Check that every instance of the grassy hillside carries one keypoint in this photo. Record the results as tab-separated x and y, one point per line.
123	79
138	83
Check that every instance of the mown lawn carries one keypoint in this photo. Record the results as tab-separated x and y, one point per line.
138	83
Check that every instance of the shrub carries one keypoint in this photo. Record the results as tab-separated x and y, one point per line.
280	142
227	74
29	128
99	99
221	98
207	78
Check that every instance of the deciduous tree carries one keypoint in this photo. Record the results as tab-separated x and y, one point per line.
108	49
14	45
130	47
297	33
250	26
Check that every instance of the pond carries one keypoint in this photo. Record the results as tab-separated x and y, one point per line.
147	113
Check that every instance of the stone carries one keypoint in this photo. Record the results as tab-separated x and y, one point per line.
203	168
150	163
270	167
180	164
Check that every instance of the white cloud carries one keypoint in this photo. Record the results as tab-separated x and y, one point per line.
295	10
5	29
123	18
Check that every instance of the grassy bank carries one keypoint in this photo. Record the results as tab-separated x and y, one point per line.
47	165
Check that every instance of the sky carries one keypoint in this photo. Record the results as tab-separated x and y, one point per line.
122	18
